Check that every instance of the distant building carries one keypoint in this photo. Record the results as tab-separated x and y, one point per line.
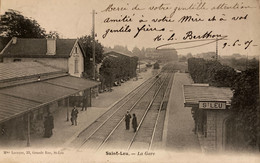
207	56
116	54
66	54
164	55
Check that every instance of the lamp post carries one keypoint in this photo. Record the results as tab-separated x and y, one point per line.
93	46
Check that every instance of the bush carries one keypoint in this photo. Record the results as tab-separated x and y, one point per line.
211	72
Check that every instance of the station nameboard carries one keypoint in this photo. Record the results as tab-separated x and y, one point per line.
212	104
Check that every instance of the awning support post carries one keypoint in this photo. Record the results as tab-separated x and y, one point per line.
28	131
90	96
68	105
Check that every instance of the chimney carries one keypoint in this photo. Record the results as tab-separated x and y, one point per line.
51	46
14	41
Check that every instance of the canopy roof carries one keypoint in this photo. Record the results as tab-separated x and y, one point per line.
20	99
195	93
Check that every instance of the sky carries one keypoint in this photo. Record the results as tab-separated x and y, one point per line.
73	19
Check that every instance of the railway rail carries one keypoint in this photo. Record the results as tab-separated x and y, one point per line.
147	102
146	132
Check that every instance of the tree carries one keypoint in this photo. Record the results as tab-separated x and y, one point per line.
14	24
245	103
87	42
136	51
189	55
52	34
116	68
107	73
182	59
211	72
224	77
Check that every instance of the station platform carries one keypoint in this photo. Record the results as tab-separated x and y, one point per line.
178	132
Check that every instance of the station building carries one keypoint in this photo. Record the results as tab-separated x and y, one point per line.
211	114
39	76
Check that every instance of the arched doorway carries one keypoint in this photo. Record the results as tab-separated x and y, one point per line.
230	130
233	137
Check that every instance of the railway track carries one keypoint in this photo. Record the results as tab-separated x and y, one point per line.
108	131
117	109
146	132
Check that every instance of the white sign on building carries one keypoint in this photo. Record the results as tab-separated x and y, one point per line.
212	104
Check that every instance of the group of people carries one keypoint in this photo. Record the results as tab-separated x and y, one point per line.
127	121
49	124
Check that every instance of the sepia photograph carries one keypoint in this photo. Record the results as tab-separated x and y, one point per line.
129	81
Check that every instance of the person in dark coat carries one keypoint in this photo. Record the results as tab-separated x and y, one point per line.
127	120
134	122
74	116
48	125
84	103
3	130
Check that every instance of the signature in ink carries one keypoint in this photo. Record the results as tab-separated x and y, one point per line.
191	43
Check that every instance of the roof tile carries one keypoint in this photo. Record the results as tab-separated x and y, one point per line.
31	47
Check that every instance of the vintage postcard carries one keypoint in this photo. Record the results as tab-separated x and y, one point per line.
129	81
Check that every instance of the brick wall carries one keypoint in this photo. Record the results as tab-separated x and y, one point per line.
215	130
211	130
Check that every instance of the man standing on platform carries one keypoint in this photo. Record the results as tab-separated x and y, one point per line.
84	103
48	125
74	116
127	120
134	123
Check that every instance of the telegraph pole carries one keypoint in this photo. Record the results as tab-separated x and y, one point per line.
216	49
93	45
246	61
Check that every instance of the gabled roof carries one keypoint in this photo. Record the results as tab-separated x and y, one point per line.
116	54
37	48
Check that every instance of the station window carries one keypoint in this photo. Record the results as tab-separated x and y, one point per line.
76	66
76	50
